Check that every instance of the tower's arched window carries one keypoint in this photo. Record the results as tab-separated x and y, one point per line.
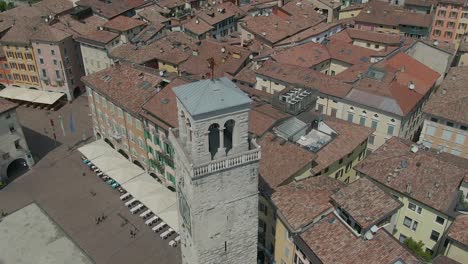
213	139
229	134
189	129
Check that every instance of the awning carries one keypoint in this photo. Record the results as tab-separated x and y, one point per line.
30	95
160	200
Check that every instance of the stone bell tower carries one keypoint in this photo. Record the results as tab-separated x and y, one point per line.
217	174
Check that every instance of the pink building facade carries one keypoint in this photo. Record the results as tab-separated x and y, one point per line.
59	66
450	22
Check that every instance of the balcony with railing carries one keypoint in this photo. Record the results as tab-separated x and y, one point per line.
228	162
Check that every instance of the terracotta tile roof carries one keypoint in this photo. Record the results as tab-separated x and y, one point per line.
352	54
110	9
197	26
152	14
390	39
262	117
98	37
450	101
246	75
351	74
45	32
168	49
124	85
304	77
163	106
22	30
171	3
342	36
425	176
302	202
459	230
77	28
393	89
332	242
305	55
123	23
148	33
213	16
365	202
231	61
349	137
310	32
381	13
303	16
6	105
281	160
55	6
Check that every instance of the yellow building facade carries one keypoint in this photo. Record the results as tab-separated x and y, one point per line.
23	65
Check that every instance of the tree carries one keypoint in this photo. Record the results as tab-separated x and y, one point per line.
417	248
10	5
3	5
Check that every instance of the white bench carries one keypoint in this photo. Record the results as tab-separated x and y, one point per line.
125	196
129	203
167	233
177	239
159	227
145	213
152	220
100	174
135	209
172	243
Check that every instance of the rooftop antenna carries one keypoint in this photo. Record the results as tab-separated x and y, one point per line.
212	65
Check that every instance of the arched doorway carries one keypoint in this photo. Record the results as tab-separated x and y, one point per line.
17	168
136	162
76	92
110	143
123	153
213	139
228	134
98	136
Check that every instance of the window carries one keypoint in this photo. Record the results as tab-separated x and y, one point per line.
448	34
415	226
434	236
450	124
377	46
17	144
453	14
430	130
320	108
441	13
138	124
261	225
412	206
374	124
451	25
129	119
390	130
434	120
440	220
57	74
402	238
371	139
350	117
348	166
41	61
38	51
362	121
446	134
140	142
111	107
52	52
120	112
55	62
407	221
12	128
456	152
460	139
